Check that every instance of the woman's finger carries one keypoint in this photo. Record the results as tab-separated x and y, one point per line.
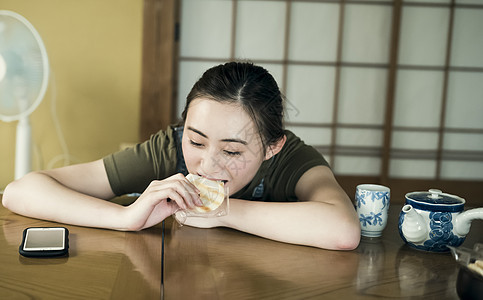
176	187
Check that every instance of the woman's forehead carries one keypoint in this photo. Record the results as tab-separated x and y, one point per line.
220	120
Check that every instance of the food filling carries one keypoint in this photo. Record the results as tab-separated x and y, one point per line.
212	193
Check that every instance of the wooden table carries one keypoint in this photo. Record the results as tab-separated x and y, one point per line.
220	264
225	264
102	264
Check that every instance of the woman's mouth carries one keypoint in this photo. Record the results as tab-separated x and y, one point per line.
214	179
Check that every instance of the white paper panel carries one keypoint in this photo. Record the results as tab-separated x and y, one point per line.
362	96
462	170
366	33
189	73
469	2
426	1
313	31
418	98
414	140
406	168
312	135
359	137
206	28
260	29
423	36
310	89
375	1
465	100
356	165
468	38
463	141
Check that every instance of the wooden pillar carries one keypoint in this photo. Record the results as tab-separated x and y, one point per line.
391	91
158	66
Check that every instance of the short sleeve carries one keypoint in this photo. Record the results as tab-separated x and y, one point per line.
289	165
132	170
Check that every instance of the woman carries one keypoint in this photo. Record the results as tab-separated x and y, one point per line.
233	132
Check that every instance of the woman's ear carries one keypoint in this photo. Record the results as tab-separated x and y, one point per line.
275	148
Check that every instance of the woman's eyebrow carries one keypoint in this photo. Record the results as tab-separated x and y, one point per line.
228	140
197	131
235	141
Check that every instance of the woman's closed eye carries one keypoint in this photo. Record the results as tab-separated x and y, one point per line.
195	144
227	152
232	153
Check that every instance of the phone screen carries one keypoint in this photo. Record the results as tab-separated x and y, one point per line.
42	239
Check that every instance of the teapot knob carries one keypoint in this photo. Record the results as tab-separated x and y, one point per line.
435	193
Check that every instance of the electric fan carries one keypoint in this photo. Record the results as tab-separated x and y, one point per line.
24	75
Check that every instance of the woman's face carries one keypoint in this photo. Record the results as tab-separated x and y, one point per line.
220	142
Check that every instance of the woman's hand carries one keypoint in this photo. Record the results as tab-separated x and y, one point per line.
161	199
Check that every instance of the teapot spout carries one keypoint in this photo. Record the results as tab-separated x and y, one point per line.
413	227
463	220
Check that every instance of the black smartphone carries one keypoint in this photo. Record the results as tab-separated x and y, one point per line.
44	242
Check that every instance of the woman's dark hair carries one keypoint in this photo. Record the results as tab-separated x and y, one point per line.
250	86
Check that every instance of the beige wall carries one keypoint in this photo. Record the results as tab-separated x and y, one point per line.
94	49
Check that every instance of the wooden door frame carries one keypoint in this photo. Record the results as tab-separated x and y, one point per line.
159	56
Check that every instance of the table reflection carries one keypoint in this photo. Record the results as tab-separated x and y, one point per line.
423	273
371	262
222	263
240	265
101	263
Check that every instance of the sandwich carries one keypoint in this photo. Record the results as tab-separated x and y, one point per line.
212	193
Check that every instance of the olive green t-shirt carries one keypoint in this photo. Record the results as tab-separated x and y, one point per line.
131	170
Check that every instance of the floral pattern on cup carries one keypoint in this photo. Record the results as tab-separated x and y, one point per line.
372	203
371	219
373	196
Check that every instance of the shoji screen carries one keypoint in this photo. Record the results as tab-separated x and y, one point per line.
438	121
385	90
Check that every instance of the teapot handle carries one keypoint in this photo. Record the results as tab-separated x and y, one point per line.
463	220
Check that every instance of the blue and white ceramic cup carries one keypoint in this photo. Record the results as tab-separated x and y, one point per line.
372	205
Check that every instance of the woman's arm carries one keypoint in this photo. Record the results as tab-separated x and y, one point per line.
76	195
323	218
68	195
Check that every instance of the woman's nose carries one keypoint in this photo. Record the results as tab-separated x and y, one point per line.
211	163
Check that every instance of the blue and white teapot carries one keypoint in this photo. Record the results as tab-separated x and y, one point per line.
432	220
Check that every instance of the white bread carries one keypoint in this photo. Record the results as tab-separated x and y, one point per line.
212	193
477	267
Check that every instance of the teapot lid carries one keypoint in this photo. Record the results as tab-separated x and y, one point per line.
435	196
